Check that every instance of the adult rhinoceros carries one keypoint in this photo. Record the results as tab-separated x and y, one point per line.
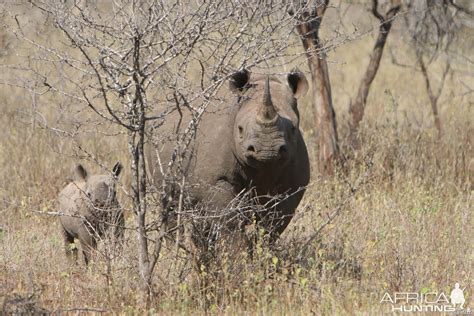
251	142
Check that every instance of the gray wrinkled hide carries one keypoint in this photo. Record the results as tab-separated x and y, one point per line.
248	142
91	208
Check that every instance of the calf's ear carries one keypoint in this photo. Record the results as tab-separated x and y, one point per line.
117	169
239	80
80	173
298	83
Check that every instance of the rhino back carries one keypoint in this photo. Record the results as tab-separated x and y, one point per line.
211	158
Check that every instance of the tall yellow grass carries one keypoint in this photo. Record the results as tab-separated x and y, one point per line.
408	227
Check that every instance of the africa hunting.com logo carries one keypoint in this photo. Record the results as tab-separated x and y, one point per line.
428	301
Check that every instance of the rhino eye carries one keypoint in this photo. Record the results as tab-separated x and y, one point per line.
241	130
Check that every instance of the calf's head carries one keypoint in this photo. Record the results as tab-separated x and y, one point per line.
266	126
99	189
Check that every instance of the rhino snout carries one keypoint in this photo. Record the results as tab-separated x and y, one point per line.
266	153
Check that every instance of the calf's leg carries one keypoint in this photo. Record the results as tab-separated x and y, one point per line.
69	247
88	244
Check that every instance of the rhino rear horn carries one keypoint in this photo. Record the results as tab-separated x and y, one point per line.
80	173
238	80
297	82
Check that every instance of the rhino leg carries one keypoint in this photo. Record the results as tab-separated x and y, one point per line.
119	223
275	222
88	243
232	223
71	250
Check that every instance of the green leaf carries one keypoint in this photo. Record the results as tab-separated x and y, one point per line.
425	290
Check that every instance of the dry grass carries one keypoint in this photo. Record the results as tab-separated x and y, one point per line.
408	227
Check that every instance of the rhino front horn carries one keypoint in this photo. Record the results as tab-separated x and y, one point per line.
267	113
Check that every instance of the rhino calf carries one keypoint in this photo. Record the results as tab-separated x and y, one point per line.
89	207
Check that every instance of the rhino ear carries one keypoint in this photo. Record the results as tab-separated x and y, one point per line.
238	80
117	169
80	173
298	83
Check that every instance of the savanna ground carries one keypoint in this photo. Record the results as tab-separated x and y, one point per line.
408	226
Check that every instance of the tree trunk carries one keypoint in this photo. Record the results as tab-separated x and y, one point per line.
136	146
356	108
139	176
308	28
